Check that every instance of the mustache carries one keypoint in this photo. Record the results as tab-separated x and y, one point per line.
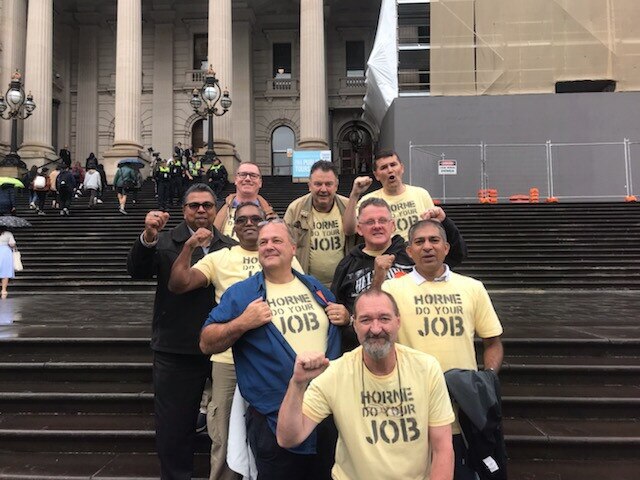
380	336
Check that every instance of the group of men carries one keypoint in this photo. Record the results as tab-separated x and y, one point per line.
283	299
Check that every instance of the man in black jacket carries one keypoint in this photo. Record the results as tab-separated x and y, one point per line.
179	368
382	256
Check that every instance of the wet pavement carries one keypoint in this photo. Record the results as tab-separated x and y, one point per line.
566	314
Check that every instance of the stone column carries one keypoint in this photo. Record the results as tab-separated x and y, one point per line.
220	55
13	32
243	84
87	97
162	134
127	142
38	78
313	77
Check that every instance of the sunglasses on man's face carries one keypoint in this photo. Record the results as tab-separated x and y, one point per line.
243	220
195	206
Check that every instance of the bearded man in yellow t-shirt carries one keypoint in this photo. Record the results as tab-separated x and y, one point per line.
389	402
443	311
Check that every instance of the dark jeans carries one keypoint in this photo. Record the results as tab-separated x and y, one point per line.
461	471
276	463
65	197
178	381
42	199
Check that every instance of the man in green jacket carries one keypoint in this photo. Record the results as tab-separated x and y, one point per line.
316	222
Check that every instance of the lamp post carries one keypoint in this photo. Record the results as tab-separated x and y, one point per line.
14	106
356	139
204	102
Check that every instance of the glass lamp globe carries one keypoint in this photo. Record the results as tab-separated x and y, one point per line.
14	98
210	93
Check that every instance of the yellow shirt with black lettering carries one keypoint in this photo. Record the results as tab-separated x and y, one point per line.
406	208
225	267
227	228
442	318
382	421
326	247
300	319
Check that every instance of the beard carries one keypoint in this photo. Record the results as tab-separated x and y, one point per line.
376	349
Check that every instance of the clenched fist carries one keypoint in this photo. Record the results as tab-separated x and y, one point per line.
154	222
308	366
201	238
256	314
360	185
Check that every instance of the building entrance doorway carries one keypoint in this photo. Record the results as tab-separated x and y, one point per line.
356	149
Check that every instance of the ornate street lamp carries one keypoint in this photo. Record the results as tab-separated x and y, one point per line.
210	95
14	106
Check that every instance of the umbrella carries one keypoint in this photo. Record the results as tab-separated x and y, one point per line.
11	181
9	221
131	161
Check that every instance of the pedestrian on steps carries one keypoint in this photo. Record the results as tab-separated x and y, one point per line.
65	185
7	245
92	184
124	181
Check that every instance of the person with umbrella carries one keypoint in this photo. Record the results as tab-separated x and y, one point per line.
8	196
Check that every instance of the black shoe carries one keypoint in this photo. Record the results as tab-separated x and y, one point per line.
201	423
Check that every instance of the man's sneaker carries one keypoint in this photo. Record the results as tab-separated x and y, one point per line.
66	211
40	212
201	423
122	211
61	212
98	201
32	205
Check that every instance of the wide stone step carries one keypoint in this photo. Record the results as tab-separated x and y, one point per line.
86	466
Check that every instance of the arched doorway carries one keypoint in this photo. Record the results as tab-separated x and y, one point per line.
197	135
282	142
356	149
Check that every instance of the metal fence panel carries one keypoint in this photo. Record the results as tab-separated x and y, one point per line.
634	168
514	169
463	187
589	171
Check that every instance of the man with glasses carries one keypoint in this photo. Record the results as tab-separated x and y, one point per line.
442	312
268	319
222	268
316	222
382	256
248	183
179	368
389	402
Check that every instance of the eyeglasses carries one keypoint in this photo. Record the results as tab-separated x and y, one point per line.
243	220
195	206
248	174
381	221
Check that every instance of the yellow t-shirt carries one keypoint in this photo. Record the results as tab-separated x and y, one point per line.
227	228
382	421
225	267
300	319
406	208
442	318
326	247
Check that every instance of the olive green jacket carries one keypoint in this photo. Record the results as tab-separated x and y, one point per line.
298	219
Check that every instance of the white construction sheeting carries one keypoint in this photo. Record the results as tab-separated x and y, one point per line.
382	66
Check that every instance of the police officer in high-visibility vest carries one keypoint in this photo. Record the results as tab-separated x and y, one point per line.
217	177
194	168
177	174
162	176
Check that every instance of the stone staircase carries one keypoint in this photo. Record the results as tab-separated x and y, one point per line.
75	367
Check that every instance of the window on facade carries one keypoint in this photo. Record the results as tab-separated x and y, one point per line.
581	86
414	42
355	59
200	51
413	70
282	141
281	60
414	23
